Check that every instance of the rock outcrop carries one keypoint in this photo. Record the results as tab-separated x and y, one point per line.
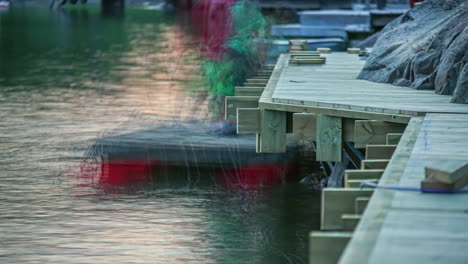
426	48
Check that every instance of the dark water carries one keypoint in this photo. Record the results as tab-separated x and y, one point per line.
69	77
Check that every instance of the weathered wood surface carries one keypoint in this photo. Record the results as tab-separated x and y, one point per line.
272	137
369	132
334	85
248	121
326	247
425	228
234	102
366	234
336	202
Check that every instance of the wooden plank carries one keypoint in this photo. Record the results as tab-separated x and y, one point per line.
260	85
363	174
365	236
457	175
234	102
329	138
248	121
327	247
304	126
380	151
324	50
374	164
257	80
393	138
359	182
338	201
248	91
272	137
304	60
350	221
304	53
368	132
354	50
360	204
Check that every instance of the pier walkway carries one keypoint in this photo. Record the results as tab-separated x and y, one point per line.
402	132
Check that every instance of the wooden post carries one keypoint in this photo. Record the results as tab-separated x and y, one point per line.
272	137
329	138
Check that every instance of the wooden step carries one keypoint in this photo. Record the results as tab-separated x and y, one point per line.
248	91
393	138
380	151
363	174
255	85
327	247
338	201
360	204
374	164
358	183
350	221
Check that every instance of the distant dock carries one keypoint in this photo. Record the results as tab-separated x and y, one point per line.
401	131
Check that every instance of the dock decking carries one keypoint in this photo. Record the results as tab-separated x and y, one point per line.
334	85
398	226
402	130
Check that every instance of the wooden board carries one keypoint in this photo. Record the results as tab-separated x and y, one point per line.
272	137
338	201
366	234
248	121
329	138
248	91
326	247
319	86
234	102
374	164
380	151
368	132
393	138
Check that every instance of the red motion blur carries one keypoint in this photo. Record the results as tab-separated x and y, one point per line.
256	175
126	172
130	172
211	19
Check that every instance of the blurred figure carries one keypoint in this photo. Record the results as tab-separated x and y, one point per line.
413	2
4	4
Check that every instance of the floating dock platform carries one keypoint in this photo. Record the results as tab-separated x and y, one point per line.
404	134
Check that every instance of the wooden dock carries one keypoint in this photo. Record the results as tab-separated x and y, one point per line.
402	131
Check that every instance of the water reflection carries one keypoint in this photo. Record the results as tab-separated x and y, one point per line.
67	78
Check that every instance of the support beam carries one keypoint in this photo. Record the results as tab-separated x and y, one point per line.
329	138
338	201
380	151
304	126
371	132
327	247
272	137
234	102
374	164
248	121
